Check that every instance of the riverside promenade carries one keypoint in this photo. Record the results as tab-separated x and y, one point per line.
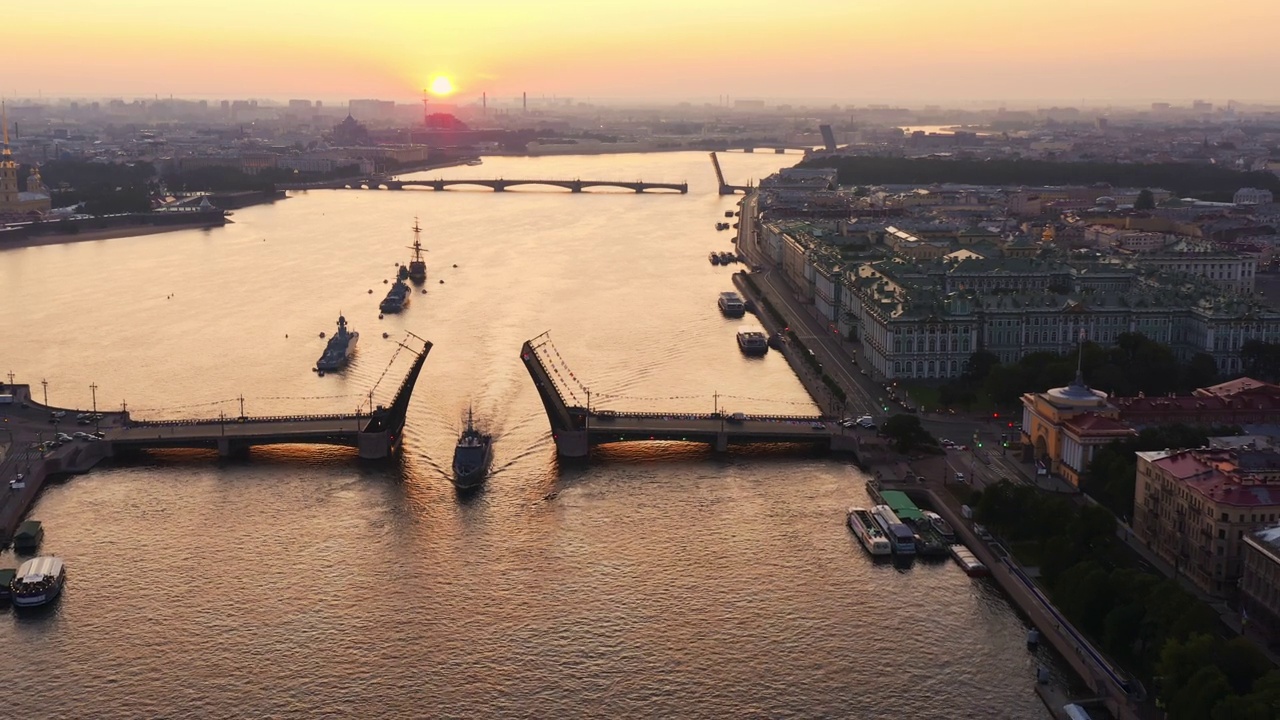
1122	696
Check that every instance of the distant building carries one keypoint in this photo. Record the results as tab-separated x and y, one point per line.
350	132
12	201
1252	196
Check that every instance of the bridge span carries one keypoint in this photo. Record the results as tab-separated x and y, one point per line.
576	424
27	465
500	184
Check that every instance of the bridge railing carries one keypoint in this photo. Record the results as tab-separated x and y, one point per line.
611	414
246	420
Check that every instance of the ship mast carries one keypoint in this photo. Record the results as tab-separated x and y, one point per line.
417	243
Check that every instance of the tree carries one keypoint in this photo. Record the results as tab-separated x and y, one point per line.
907	433
1146	200
979	365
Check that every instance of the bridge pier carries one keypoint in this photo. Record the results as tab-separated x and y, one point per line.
722	441
232	448
572	443
376	445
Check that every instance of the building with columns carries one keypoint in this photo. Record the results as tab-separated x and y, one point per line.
1063	428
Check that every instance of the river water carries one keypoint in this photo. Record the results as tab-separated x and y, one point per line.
655	582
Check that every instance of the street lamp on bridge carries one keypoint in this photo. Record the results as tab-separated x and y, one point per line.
45	383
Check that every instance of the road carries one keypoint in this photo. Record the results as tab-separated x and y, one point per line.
841	360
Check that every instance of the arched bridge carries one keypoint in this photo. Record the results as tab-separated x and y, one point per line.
576	425
502	184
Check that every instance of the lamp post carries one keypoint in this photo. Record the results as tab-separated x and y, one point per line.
45	383
93	387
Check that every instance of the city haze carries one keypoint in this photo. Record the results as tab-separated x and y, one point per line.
987	51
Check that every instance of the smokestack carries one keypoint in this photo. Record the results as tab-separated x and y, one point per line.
524	101
484	102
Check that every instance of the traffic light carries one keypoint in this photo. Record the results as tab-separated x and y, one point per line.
995	416
1010	423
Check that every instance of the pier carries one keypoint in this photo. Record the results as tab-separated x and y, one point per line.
576	424
375	435
497	185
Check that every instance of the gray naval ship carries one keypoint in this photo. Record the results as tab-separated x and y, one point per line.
340	348
471	457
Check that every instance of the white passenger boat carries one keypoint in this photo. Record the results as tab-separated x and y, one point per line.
38	582
871	536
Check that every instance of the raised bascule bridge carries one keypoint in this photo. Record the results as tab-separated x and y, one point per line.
27	463
375	434
577	424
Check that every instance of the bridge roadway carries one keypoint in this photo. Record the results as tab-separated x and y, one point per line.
499	184
232	434
720	431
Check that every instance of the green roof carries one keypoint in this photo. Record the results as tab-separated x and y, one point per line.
901	505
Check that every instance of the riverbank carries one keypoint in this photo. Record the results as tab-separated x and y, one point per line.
103	234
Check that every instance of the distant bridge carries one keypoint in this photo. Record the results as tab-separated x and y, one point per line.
498	185
577	426
779	148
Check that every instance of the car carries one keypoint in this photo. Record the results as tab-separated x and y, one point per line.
818	426
959	477
737	417
848	424
981	532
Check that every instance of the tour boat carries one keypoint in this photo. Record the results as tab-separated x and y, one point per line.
39	582
871	536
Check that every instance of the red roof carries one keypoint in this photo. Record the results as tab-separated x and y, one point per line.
1095	424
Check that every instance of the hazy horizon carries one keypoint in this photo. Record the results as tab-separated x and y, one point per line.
989	52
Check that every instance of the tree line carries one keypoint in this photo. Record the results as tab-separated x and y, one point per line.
1134	364
1146	622
1208	182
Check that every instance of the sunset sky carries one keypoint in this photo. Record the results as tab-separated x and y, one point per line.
846	50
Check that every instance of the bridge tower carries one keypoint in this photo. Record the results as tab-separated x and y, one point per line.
568	422
724	186
380	437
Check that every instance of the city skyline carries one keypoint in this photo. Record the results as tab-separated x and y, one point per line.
929	51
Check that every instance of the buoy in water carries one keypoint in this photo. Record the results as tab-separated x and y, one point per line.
424	291
322	333
441	282
384	282
455	264
370	291
379	316
321	373
384	336
286	336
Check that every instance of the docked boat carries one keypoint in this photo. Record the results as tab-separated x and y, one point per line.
28	536
728	213
714	257
722	226
867	532
340	348
901	539
776	340
397	298
942	527
731	304
472	456
38	582
727	258
753	343
968	561
403	272
417	266
6	578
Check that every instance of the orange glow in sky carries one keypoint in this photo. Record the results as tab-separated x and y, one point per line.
851	50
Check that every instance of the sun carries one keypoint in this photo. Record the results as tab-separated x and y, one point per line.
441	85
